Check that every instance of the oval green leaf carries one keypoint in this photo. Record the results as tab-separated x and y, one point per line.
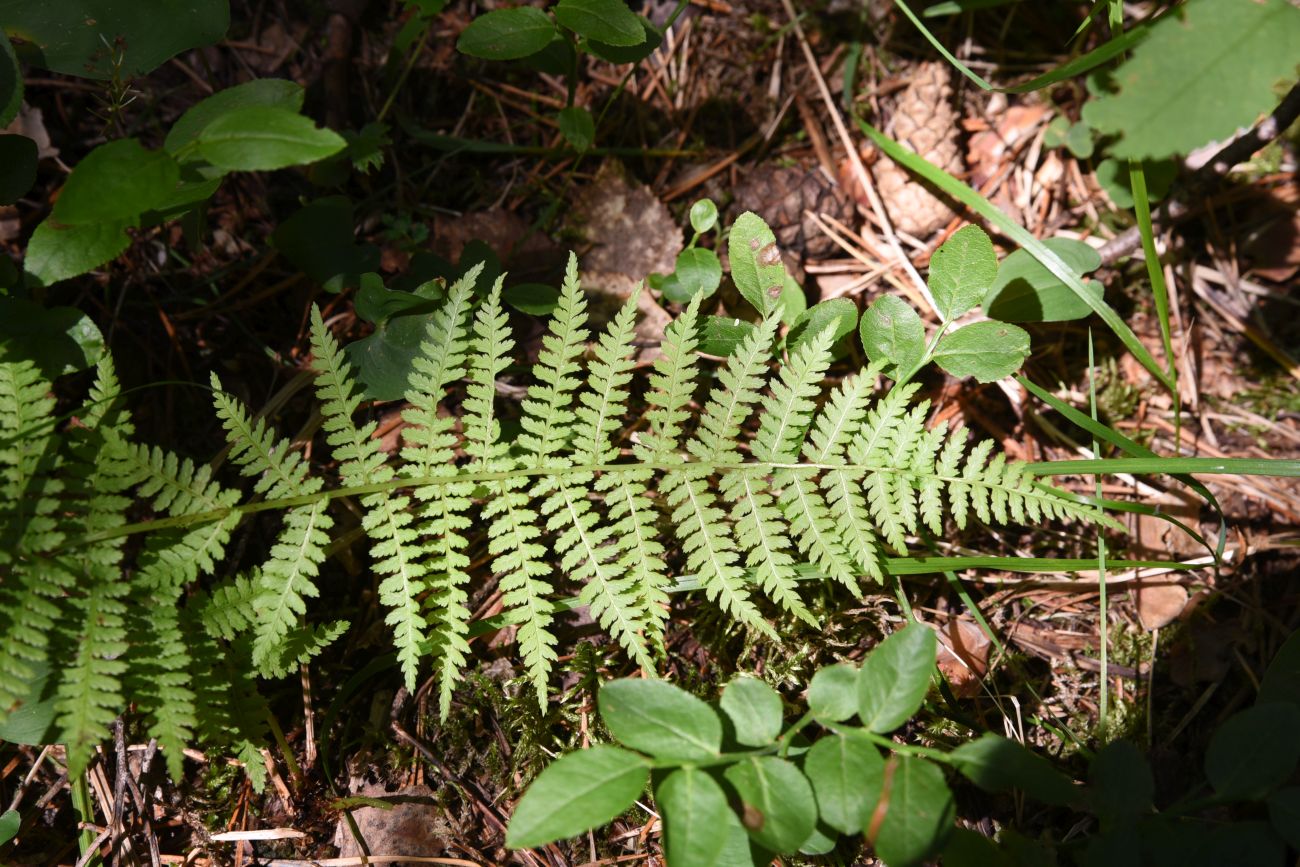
698	272
56	253
10	820
535	299
274	92
962	270
985	350
720	335
892	331
58	339
755	711
1120	784
116	181
265	138
778	806
1282	677
628	53
895	677
607	21
833	693
838	314
836	766
1025	291
756	266
1254	751
580	791
704	215
578	127
660	719
998	764
507	34
914	816
697	819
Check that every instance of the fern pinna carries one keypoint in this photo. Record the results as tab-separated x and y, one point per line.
747	474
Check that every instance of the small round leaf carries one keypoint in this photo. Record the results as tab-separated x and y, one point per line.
704	215
779	809
836	766
579	791
116	181
1254	751
578	127
507	34
833	693
697	819
985	350
891	331
755	711
660	719
962	270
607	21
895	677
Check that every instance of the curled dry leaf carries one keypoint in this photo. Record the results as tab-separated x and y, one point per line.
963	655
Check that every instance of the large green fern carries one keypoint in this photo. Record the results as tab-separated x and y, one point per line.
738	475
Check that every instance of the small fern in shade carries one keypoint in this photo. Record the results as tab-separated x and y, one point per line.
756	475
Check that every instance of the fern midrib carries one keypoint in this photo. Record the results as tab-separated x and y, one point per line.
502	475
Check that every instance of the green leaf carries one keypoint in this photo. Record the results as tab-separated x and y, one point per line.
116	181
697	272
320	241
274	92
755	711
756	266
660	719
32	722
1284	813
833	693
962	270
264	138
81	38
778	808
1207	68
383	360
10	823
704	215
580	791
578	127
535	299
895	677
1254	751
911	821
1282	677
607	21
56	253
892	331
986	350
1120	784
720	335
507	34
1113	176
1025	291
628	53
58	339
18	162
998	764
838	314
697	819
11	82
836	766
966	848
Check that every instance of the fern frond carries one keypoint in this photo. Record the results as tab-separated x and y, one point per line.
387	520
429	452
813	529
230	609
840	418
787	411
547	408
287	580
513	533
730	403
761	531
89	696
28	459
159	677
672	384
281	471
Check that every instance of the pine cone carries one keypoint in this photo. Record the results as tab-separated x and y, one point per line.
926	122
782	195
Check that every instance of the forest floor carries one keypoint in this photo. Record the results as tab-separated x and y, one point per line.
729	108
